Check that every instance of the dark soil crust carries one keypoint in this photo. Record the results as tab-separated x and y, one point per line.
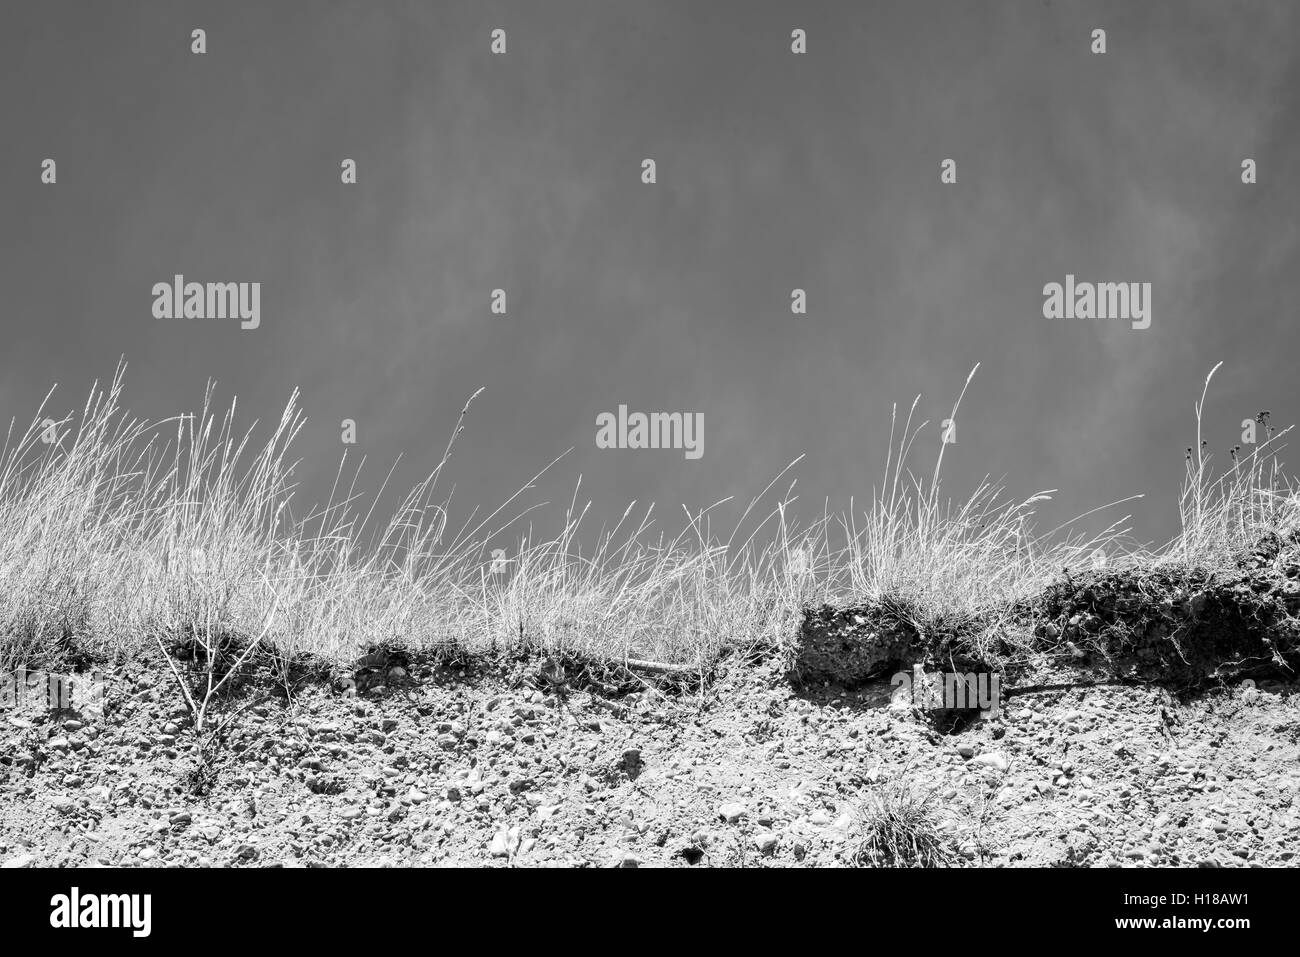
1184	628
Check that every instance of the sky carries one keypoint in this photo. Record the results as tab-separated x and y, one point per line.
775	171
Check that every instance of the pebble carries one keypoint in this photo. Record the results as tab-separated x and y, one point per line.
994	759
473	775
731	813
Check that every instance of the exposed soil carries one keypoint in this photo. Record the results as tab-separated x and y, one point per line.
480	765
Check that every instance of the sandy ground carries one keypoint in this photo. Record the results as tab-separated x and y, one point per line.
487	764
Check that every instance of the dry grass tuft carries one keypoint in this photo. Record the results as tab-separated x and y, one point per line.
900	829
1224	516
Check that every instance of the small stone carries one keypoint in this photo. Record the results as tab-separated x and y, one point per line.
966	751
731	813
994	759
820	818
766	842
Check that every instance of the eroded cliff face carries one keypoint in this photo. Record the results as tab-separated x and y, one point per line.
1183	627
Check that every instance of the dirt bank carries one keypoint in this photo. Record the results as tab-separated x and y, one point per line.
497	763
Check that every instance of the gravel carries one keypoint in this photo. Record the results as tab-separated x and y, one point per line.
474	766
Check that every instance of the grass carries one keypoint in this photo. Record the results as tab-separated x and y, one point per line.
900	829
958	561
1224	515
116	533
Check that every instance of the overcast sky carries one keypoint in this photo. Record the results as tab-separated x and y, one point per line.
775	171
